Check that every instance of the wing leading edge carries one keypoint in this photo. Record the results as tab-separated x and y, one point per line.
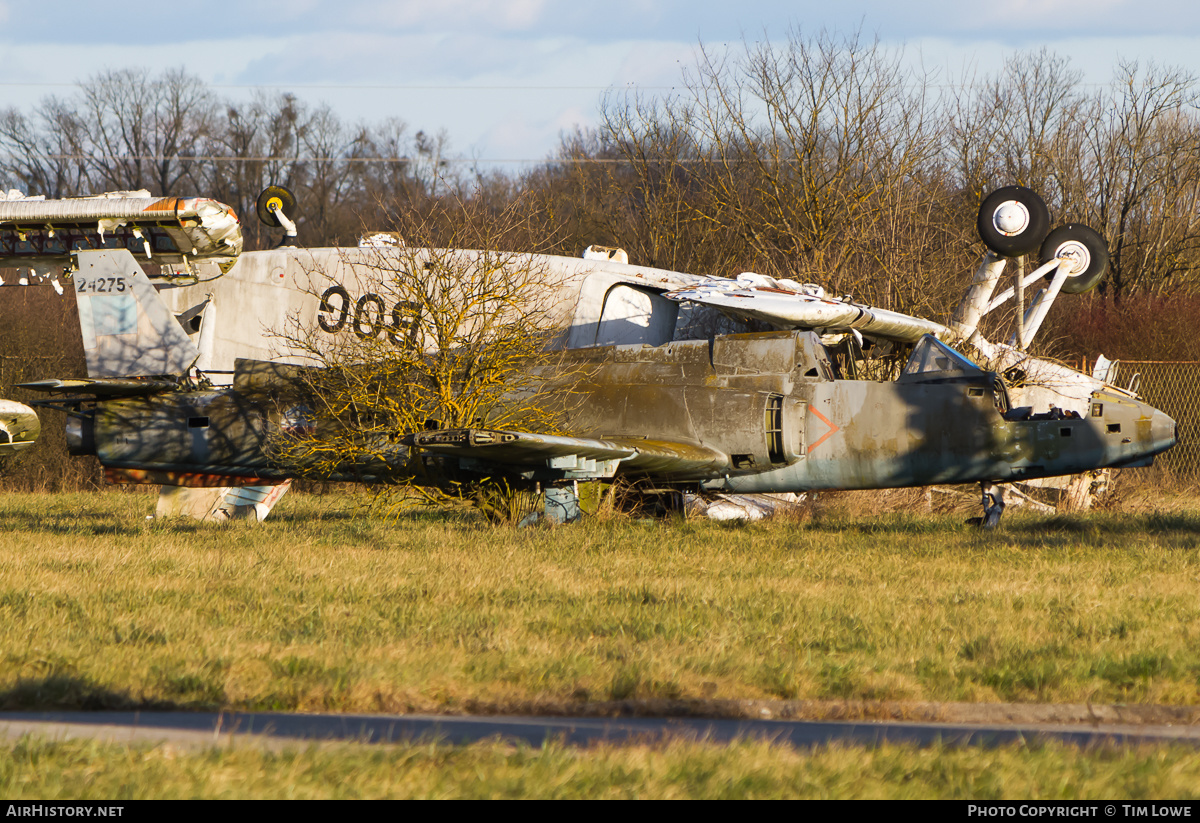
549	457
791	305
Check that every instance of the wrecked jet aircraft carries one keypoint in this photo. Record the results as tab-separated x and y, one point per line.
778	411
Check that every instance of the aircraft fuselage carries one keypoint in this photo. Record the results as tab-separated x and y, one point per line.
765	411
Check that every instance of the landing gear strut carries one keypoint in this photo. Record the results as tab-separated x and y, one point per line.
560	506
993	505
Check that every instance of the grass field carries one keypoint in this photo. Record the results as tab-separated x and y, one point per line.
59	771
323	608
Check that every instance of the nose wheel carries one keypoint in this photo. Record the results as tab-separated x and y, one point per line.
993	505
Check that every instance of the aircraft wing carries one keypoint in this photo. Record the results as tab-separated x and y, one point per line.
788	304
42	233
571	457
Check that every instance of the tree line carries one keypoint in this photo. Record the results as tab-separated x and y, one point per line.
171	134
826	158
832	160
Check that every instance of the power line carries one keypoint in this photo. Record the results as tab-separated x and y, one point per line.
381	86
159	158
478	87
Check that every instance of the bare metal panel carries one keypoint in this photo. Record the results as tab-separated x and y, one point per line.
42	234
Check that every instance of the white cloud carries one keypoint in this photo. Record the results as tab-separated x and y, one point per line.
1029	20
460	15
505	76
511	137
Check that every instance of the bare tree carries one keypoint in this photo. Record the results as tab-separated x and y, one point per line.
143	131
257	146
45	154
1035	105
1140	173
454	332
816	159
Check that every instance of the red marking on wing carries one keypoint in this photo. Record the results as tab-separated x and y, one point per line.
833	429
160	477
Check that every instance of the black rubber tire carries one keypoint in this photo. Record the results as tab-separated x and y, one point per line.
1029	238
1087	241
283	199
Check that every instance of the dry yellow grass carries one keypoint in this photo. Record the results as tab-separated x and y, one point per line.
31	769
324	608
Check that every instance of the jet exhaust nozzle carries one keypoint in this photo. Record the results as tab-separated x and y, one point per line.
81	435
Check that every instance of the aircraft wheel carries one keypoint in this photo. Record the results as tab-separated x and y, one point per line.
1086	248
1013	221
278	197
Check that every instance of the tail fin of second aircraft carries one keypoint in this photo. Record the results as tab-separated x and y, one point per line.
127	329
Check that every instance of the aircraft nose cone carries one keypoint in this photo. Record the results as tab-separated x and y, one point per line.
1163	431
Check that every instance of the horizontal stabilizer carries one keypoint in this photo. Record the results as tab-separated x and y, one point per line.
110	388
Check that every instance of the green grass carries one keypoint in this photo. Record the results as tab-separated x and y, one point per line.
322	608
33	769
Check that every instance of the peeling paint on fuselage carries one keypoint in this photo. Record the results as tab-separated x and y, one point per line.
844	434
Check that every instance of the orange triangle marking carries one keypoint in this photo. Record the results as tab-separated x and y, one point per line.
833	429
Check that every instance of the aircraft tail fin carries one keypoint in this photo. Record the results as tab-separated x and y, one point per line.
127	329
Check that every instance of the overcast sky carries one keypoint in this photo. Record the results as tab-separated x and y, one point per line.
505	77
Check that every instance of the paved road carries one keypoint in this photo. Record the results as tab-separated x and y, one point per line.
279	730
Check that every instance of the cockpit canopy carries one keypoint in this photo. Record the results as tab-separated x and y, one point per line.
932	359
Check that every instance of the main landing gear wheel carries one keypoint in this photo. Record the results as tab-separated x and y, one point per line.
1013	221
1087	251
275	199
